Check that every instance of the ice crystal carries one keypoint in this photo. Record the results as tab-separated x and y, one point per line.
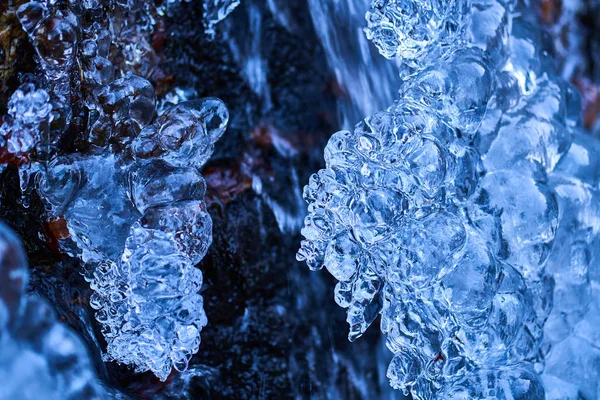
132	199
412	29
140	224
27	121
53	33
121	109
40	356
571	339
440	214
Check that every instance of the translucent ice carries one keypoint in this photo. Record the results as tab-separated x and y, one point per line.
414	30
39	356
139	222
26	124
129	202
120	109
441	214
572	359
185	134
53	33
386	220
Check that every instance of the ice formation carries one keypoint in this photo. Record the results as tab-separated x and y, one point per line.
464	216
26	123
40	356
452	213
130	201
140	224
53	34
416	31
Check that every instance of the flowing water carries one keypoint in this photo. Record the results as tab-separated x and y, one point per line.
368	81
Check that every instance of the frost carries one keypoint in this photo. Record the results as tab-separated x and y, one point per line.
441	215
40	356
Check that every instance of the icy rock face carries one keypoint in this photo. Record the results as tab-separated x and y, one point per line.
40	356
140	224
440	214
216	11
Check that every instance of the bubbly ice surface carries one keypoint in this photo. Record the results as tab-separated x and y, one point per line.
139	222
27	121
465	210
40	356
131	197
413	30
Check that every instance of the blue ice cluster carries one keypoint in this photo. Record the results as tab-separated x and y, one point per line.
416	31
40	357
130	202
27	121
53	34
465	215
138	220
